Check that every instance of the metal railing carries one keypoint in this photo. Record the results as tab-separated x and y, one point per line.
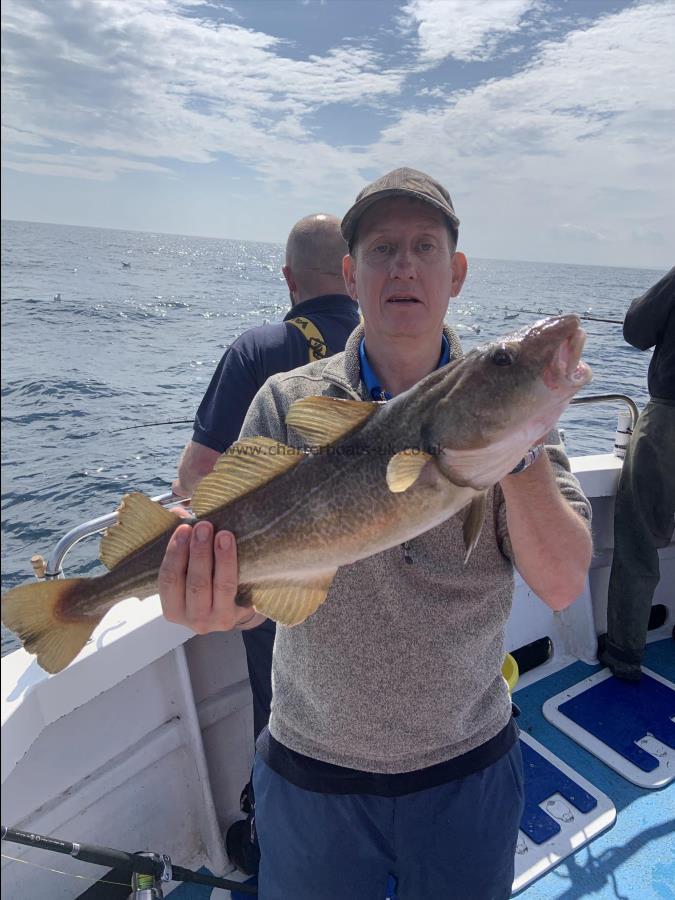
604	398
53	567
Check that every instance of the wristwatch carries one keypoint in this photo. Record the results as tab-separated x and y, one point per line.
532	454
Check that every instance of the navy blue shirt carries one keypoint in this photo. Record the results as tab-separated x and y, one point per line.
263	351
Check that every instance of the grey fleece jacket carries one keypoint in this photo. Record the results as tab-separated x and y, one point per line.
400	668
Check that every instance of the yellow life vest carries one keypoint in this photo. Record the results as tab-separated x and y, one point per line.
316	346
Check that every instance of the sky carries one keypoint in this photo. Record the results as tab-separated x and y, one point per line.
551	122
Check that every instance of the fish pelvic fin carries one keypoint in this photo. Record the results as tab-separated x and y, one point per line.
405	468
287	602
324	420
33	613
140	521
244	467
474	516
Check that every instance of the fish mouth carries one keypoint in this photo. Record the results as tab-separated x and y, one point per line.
567	372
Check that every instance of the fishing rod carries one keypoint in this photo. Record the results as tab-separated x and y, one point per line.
538	312
152	424
148	870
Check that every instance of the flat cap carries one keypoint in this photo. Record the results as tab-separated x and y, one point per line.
402	182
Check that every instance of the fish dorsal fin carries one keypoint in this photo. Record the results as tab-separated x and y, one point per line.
140	520
288	602
404	469
473	522
324	420
242	468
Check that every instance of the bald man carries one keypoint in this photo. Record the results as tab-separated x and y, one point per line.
321	318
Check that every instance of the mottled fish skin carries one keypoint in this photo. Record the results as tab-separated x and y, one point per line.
135	577
334	508
470	422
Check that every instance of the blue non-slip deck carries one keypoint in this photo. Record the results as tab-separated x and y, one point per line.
633	859
619	713
543	780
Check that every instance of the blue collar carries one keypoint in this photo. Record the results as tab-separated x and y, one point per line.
370	379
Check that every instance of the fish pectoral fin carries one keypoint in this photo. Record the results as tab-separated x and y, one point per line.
35	613
140	520
243	467
288	602
405	468
324	420
474	516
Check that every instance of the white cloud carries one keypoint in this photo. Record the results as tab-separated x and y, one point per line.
75	165
591	116
15	136
463	29
577	232
140	79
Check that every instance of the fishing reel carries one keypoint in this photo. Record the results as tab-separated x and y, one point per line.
148	886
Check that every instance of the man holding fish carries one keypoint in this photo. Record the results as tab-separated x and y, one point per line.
379	499
391	750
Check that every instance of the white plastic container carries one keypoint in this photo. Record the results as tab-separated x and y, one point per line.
623	433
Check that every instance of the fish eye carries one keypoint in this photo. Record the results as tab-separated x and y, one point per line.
502	356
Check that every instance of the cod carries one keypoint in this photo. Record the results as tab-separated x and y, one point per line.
372	475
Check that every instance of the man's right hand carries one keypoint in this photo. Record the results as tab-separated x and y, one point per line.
198	580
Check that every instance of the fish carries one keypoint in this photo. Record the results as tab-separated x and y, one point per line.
371	475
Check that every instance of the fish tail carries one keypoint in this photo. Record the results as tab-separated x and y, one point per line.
37	614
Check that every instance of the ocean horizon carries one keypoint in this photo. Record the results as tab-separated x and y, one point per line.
207	237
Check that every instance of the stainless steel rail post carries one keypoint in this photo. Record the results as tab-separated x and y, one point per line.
54	568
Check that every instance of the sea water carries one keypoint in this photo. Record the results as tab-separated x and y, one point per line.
104	330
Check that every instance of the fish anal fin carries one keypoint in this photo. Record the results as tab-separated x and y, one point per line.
405	468
324	420
474	516
32	612
288	602
140	520
245	466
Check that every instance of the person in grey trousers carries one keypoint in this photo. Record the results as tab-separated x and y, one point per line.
644	515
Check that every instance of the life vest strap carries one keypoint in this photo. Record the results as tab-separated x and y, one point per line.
316	345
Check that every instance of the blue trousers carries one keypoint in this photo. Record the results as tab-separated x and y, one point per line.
453	842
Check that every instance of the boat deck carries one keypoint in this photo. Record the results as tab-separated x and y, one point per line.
634	859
